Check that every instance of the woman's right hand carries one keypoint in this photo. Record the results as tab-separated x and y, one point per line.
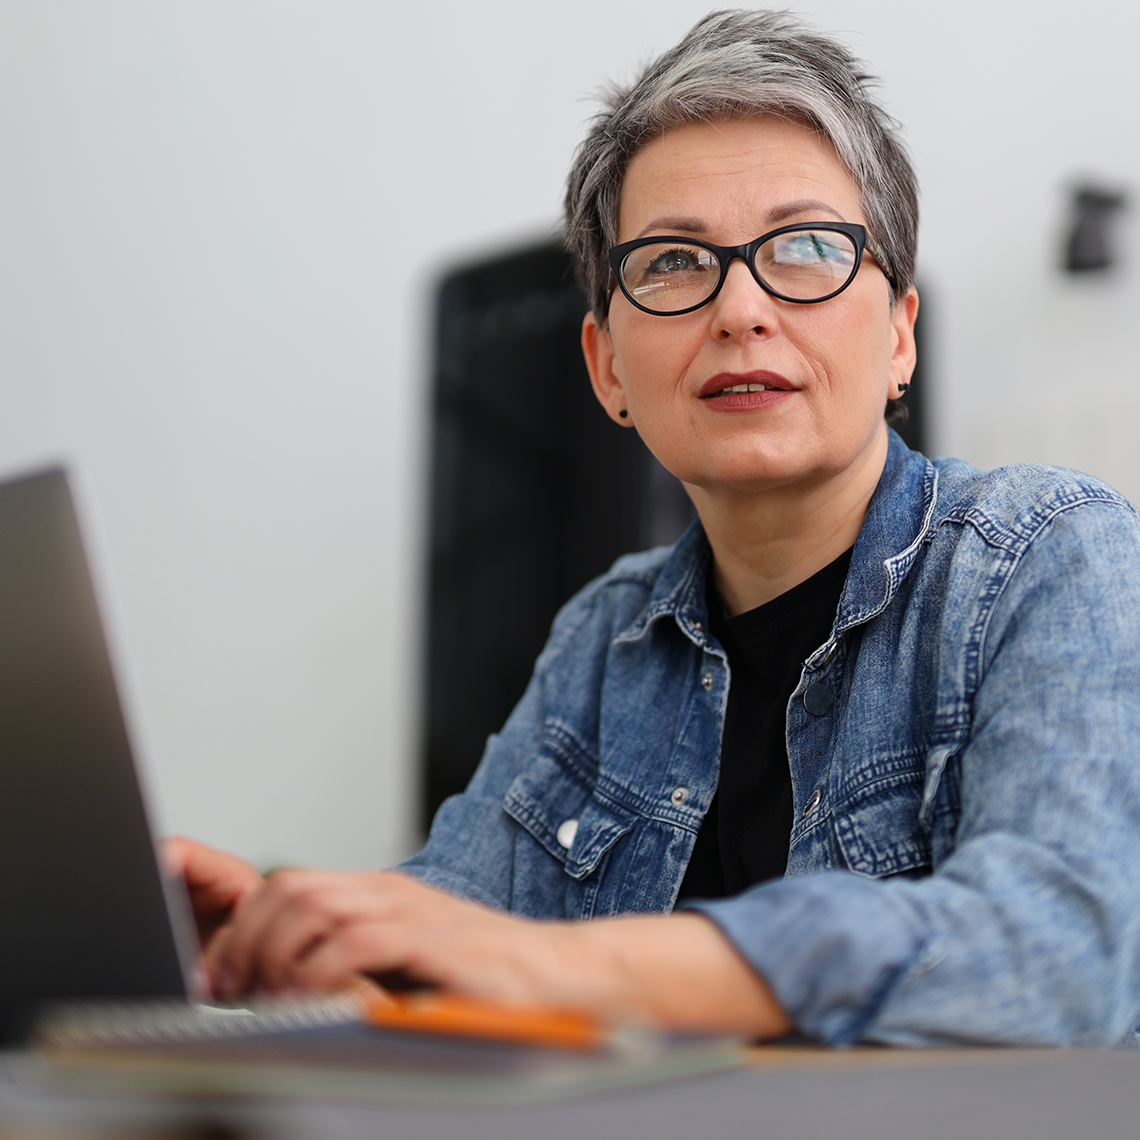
216	882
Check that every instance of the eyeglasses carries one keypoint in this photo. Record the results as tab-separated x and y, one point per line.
804	264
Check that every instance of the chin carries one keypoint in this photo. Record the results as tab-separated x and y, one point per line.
757	469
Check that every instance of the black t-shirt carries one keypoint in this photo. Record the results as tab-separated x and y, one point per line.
744	837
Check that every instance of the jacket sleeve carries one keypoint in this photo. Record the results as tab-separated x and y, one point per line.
1028	931
470	847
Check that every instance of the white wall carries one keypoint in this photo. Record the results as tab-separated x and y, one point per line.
219	220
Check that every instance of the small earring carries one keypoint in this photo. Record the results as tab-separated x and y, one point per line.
903	389
623	413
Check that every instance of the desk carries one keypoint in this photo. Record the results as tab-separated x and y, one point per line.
790	1095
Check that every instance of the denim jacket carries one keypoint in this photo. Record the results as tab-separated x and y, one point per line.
965	760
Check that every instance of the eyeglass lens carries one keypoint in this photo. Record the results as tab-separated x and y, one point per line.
805	264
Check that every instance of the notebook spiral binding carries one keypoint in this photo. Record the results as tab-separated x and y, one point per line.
109	1023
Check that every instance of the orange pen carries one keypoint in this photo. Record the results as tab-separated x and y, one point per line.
426	1011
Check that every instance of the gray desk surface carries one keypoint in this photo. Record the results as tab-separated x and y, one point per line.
879	1095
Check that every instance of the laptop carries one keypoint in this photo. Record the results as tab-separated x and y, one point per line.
87	911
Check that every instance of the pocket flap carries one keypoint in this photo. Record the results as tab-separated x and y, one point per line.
554	800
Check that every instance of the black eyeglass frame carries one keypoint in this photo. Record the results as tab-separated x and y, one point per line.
726	254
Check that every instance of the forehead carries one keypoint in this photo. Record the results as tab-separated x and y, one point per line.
733	178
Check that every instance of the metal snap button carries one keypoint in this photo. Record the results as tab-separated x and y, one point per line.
706	682
698	627
566	832
679	796
819	700
813	803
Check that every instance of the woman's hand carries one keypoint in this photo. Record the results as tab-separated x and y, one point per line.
315	930
215	881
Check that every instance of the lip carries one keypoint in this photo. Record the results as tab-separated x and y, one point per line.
777	389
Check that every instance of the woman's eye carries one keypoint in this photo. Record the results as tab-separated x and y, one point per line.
813	248
665	277
674	261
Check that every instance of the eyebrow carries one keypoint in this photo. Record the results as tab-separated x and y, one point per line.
693	225
676	225
806	205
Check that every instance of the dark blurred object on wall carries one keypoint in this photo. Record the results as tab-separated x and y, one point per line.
534	492
1089	244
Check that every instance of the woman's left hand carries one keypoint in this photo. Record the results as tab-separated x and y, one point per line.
317	930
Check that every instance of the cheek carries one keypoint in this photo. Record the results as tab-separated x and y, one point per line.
653	354
854	353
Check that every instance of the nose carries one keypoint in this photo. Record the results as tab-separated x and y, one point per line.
742	309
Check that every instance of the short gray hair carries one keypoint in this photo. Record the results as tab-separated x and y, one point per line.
736	64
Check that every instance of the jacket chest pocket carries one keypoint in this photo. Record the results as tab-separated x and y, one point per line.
877	825
554	799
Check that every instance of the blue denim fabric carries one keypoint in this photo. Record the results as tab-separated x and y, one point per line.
965	854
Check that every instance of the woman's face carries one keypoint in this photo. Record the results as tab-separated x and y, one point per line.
828	367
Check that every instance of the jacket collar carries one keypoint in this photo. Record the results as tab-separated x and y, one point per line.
680	589
899	517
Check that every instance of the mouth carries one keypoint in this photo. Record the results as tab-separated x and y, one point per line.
743	384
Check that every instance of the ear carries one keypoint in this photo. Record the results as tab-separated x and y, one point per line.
598	350
903	353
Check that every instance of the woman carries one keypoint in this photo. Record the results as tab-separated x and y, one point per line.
916	684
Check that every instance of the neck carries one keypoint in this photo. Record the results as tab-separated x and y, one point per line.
766	542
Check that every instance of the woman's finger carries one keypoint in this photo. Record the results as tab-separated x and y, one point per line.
216	881
239	947
279	924
367	947
291	932
308	918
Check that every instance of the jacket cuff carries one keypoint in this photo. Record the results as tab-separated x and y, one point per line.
830	947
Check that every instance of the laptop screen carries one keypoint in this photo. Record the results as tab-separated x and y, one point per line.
82	898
